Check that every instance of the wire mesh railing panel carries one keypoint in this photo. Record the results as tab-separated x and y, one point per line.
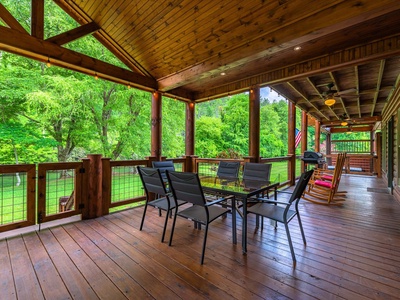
351	146
60	185
279	171
125	184
208	169
13	198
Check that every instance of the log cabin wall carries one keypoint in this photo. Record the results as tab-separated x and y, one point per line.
386	136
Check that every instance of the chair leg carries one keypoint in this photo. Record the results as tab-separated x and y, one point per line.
165	227
172	229
144	214
301	229
290	242
204	244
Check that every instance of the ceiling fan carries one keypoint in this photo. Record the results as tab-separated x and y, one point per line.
330	94
345	120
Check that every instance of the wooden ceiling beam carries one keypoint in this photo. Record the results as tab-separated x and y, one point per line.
10	20
343	15
22	44
366	128
357	85
366	120
384	48
37	19
74	34
378	85
335	82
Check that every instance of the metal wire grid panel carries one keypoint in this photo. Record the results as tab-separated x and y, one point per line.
125	184
13	198
60	185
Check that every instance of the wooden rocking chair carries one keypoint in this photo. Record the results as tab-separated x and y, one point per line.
323	188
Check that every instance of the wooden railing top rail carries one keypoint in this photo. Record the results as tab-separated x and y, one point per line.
275	159
121	163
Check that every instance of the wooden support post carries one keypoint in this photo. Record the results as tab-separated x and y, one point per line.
156	124
85	189
106	185
189	137
37	19
378	161
317	136
328	149
254	123
291	143
94	188
304	125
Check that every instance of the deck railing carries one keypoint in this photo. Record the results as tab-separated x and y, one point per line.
97	188
351	146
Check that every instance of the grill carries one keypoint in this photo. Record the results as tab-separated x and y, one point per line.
313	158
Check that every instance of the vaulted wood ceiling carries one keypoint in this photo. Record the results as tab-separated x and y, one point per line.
181	48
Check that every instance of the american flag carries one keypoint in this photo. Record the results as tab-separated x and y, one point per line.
297	139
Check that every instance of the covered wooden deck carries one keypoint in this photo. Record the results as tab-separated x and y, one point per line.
353	252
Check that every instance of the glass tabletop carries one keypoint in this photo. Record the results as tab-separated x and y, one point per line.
236	186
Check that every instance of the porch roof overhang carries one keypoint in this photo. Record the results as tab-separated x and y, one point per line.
201	50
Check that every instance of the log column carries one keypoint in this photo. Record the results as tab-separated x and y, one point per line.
156	122
291	143
93	204
304	125
254	123
189	137
317	136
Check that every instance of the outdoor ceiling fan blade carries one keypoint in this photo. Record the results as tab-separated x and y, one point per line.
352	90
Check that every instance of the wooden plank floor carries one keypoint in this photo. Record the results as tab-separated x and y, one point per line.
352	252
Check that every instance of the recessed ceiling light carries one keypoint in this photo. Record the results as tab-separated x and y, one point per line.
223	73
297	48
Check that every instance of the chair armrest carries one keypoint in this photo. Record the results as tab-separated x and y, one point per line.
273	201
218	201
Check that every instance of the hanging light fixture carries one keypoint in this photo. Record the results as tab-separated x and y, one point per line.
330	101
344	123
48	64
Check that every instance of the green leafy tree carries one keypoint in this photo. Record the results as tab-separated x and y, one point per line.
209	140
235	119
271	143
173	128
120	120
59	109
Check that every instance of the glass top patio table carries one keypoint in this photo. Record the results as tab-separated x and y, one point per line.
242	190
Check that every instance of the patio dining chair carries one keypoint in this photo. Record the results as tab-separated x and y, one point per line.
284	212
186	187
257	171
153	184
228	169
163	166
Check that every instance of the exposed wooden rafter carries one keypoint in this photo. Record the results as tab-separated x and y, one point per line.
357	85
335	82
25	45
74	34
378	85
82	18
10	20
